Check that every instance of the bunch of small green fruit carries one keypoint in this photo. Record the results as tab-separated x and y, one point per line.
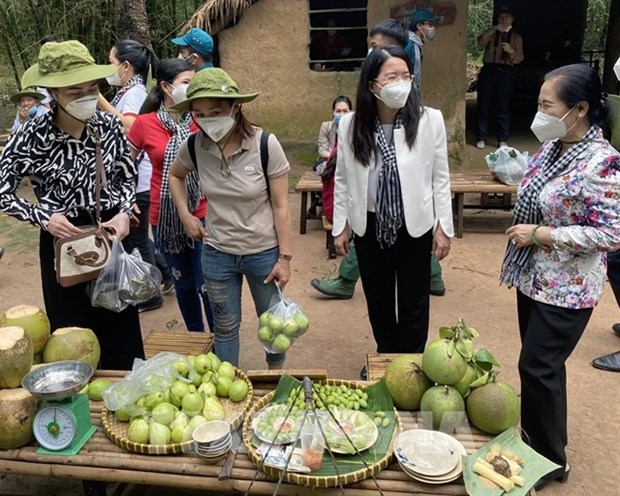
278	330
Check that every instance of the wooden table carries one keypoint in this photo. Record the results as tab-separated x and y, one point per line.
311	183
102	461
479	183
182	342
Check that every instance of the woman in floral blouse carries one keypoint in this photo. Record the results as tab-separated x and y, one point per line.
566	218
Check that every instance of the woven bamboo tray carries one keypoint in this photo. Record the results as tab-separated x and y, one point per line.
314	480
117	430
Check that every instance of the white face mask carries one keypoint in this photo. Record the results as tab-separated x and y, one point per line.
395	94
179	93
430	33
82	108
216	127
548	127
617	68
114	79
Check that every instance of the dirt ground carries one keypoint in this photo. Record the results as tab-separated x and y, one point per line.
340	337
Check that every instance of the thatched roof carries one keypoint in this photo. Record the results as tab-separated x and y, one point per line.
217	15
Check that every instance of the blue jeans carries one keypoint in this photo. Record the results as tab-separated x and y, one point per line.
186	269
223	278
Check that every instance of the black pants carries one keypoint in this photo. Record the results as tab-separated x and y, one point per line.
118	333
613	273
396	283
139	238
549	334
494	80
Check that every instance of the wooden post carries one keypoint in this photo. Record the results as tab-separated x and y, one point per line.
612	48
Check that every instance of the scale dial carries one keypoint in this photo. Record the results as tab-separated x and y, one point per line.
55	427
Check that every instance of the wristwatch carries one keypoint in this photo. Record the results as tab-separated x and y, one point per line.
286	257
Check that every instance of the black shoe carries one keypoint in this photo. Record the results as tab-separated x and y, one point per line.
1	252
609	362
616	329
364	373
152	304
556	475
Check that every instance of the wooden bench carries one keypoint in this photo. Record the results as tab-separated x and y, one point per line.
184	343
329	239
493	194
309	183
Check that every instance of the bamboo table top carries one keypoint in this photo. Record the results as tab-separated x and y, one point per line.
478	182
102	460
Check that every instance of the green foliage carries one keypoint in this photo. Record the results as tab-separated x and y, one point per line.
596	25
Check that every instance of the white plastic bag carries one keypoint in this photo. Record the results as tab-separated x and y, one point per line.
281	325
507	165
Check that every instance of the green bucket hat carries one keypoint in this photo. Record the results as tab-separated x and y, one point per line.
213	83
65	64
31	92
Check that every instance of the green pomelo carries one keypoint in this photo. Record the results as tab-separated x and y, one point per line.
462	386
494	407
16	354
17	411
406	381
439	366
442	408
97	387
72	343
32	319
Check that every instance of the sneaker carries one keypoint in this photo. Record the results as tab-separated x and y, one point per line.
153	304
500	144
340	287
480	144
167	287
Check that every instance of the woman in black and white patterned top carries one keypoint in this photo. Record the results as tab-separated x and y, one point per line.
57	151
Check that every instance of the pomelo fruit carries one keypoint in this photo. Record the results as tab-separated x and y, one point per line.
442	408
406	381
32	319
441	367
462	386
494	407
16	354
17	411
73	343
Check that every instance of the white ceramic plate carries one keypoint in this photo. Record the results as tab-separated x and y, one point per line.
427	453
360	428
442	479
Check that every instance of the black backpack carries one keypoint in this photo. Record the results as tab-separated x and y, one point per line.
264	155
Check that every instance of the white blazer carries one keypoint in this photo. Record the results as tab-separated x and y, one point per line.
423	172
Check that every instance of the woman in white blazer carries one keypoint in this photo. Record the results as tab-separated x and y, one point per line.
392	193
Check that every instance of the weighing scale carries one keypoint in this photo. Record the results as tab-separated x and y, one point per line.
62	426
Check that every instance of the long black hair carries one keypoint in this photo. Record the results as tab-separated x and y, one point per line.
139	56
365	118
580	83
167	71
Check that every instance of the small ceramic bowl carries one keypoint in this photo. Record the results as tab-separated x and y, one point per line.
211	433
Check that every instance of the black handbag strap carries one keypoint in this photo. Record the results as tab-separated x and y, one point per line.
100	179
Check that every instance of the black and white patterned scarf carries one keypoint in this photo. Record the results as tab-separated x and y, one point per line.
389	207
171	236
527	209
134	81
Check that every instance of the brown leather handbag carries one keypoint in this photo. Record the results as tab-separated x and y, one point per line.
80	258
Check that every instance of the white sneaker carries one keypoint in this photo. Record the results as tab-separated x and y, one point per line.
502	143
480	144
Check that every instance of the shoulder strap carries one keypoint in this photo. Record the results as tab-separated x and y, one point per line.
264	158
191	143
100	178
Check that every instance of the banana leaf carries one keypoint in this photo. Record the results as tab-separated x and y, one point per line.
534	465
379	399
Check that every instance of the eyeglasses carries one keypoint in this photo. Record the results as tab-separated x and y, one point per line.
393	78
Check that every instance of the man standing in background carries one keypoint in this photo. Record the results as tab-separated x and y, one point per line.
196	46
421	28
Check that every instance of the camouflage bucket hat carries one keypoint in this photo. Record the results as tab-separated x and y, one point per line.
65	64
31	92
213	83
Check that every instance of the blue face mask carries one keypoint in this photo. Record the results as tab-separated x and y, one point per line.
337	119
33	111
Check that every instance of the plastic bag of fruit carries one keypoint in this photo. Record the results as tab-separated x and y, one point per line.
281	325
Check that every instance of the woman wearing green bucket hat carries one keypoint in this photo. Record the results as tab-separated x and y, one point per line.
58	152
247	231
28	106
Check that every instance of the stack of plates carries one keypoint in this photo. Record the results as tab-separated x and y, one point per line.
429	456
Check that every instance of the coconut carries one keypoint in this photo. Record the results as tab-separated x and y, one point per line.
17	410
72	343
442	408
15	356
32	319
494	407
406	381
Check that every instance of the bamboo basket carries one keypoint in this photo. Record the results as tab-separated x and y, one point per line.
116	430
309	480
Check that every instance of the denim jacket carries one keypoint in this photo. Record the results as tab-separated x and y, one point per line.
582	208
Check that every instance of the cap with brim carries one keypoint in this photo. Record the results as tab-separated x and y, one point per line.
423	15
31	92
66	64
196	39
213	83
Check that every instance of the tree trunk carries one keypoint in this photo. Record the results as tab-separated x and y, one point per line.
612	49
132	22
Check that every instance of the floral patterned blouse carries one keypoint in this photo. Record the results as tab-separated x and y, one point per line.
582	208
